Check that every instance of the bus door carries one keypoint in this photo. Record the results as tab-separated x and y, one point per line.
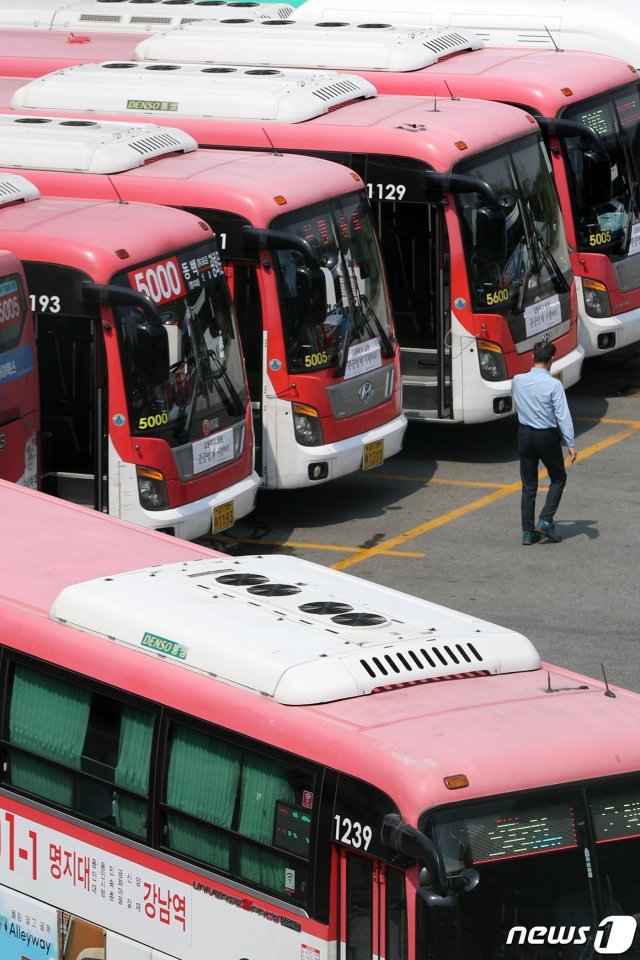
414	246
72	389
373	909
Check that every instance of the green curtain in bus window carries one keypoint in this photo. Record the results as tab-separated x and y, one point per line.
203	781
263	783
132	769
49	717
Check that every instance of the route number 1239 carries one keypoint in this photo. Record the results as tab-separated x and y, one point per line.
352	833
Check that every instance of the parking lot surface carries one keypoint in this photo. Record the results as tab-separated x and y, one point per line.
442	521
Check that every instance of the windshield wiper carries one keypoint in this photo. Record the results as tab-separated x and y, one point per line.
344	354
542	249
370	315
232	400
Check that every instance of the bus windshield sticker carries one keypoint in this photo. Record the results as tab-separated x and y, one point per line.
363	357
162	645
542	315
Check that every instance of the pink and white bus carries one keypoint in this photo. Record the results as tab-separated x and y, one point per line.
19	396
612	28
455	190
587	105
289	762
298	245
143	393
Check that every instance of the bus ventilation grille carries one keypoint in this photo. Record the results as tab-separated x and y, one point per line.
334	90
98	18
242	579
274	590
9	190
446	42
159	141
162	21
435	658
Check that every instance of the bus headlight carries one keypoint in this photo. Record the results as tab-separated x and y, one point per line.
152	489
307	426
493	366
596	298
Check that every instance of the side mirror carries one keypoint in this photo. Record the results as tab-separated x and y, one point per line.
151	353
596	177
490	240
311	293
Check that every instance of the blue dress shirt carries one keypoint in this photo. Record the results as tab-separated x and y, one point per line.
542	403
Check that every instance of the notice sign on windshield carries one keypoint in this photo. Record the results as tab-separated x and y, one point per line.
542	316
213	450
362	358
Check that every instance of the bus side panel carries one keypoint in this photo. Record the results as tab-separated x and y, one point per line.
157	903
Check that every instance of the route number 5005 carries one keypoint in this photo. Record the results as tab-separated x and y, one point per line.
352	833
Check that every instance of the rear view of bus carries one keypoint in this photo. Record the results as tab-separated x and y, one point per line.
19	398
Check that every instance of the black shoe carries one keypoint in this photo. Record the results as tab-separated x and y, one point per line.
547	529
530	537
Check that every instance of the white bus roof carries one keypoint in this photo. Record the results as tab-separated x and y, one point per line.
571	24
287	96
16	189
288	629
357	46
86	146
130	16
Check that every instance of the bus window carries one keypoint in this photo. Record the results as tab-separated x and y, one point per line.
237	811
79	750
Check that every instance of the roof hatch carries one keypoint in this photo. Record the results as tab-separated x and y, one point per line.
287	629
134	16
15	189
288	43
85	146
189	90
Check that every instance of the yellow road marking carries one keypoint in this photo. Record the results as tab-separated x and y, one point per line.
311	546
474	505
631	423
453	483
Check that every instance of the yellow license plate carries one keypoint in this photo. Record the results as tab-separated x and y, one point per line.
223	516
372	454
559	375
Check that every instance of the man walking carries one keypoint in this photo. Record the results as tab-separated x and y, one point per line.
543	416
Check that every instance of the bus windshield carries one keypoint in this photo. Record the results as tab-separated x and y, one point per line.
614	226
531	285
203	389
340	232
562	858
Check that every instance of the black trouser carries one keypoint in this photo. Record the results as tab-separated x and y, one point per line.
534	446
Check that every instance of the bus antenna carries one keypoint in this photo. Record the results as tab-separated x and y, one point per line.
275	152
449	89
116	191
608	692
558	49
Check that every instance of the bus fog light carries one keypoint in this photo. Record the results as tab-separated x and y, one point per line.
596	298
493	366
318	471
606	341
152	489
502	405
306	424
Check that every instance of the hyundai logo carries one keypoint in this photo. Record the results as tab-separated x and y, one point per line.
365	392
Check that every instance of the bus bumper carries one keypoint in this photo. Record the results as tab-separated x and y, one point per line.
190	520
599	335
296	467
